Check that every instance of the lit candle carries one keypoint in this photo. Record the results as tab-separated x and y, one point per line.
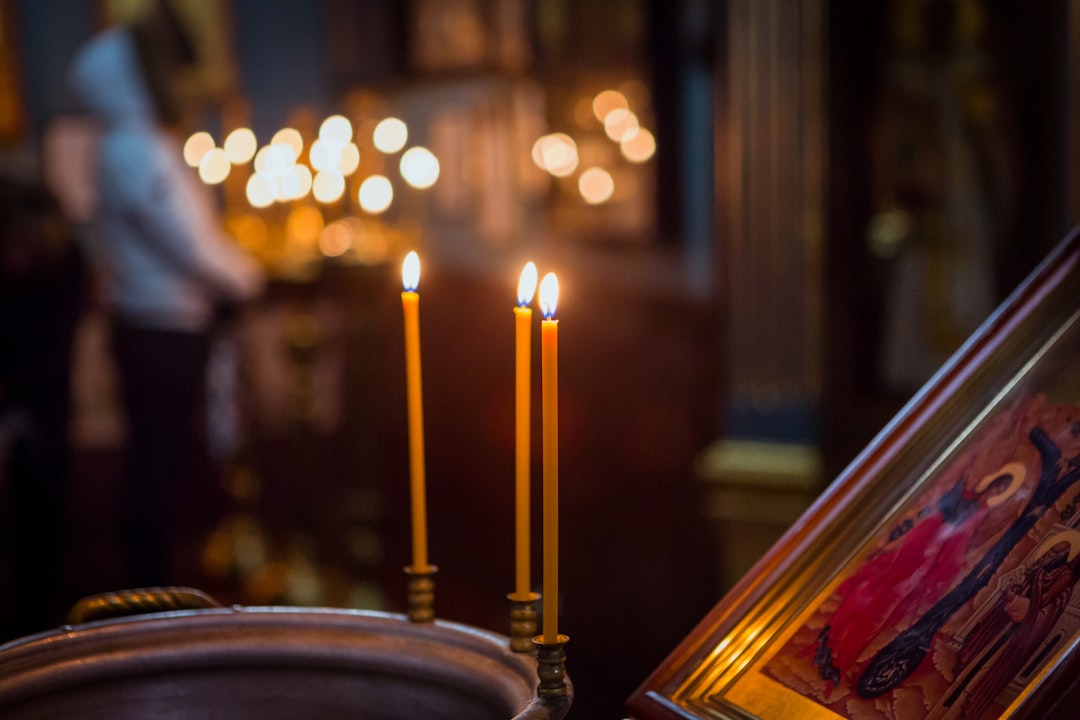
523	378
549	375
410	302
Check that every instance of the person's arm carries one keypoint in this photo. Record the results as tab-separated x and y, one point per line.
177	218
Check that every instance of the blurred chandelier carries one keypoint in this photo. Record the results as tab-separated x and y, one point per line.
308	181
558	153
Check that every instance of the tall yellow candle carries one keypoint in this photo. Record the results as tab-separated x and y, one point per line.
410	302
522	383
549	375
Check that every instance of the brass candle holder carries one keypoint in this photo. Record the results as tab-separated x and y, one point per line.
551	667
421	594
522	621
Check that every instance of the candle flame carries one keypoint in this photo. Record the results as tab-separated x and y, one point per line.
410	271
549	295
527	285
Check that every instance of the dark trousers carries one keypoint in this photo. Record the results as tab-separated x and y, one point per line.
162	382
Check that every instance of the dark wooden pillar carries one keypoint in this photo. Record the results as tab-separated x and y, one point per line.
770	201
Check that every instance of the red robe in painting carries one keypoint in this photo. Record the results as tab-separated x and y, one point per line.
906	576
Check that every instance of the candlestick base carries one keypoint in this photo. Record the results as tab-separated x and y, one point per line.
522	621
421	594
551	666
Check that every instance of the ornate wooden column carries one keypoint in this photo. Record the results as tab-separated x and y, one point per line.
770	199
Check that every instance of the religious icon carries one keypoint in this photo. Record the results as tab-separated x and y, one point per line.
918	564
936	577
988	542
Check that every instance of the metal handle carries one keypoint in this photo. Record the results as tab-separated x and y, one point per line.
138	601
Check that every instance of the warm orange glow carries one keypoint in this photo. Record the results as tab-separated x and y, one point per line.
335	239
196	146
376	194
250	231
390	135
304	224
369	242
260	191
583	113
538	152
557	153
596	185
214	167
336	128
240	146
290	137
606	101
639	148
419	167
621	124
637	93
328	187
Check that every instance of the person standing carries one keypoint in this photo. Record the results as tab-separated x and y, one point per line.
167	266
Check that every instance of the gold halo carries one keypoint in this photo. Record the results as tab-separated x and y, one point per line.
1070	536
1016	470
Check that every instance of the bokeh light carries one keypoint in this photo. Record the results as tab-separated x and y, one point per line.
325	154
336	128
390	135
350	159
274	158
558	154
620	124
335	239
290	137
240	145
260	190
376	194
419	167
280	156
328	186
196	146
640	147
214	167
596	185
606	101
293	183
260	159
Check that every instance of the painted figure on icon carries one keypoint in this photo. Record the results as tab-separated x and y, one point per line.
963	593
1014	630
923	559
